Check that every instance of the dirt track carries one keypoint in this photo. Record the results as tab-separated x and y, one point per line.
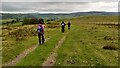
22	55
50	61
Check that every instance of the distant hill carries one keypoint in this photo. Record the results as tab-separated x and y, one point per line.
95	13
59	15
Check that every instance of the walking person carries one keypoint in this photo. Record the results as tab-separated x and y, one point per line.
69	24
40	30
63	26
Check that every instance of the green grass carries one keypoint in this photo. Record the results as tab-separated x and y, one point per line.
16	24
37	57
0	52
11	51
6	20
2	21
81	48
11	48
13	25
97	19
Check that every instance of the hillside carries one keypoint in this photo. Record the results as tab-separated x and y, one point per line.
91	41
59	15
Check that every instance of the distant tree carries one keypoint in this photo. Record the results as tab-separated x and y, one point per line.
33	21
25	21
8	23
13	21
48	20
28	21
17	19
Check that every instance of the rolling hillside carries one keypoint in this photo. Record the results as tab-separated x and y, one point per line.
61	15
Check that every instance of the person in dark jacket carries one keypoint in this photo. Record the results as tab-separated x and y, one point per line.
69	24
63	26
40	31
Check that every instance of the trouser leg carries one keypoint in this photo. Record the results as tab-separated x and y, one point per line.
39	37
69	27
43	39
62	29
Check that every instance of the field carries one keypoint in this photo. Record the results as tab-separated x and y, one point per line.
91	41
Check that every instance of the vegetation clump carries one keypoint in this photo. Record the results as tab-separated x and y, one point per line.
108	38
110	47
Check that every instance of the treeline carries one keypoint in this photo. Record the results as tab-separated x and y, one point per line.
25	21
28	21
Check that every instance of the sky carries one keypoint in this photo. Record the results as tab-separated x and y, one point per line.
57	0
57	6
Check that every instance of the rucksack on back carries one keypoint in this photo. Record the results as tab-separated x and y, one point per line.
40	29
63	24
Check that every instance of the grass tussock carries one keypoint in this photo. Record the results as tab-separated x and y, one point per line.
110	47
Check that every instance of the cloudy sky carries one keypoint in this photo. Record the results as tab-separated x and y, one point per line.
56	0
58	6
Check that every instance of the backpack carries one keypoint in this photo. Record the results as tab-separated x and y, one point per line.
63	24
40	29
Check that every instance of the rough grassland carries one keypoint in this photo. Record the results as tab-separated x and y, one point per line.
83	46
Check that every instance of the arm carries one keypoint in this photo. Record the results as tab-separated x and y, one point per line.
43	28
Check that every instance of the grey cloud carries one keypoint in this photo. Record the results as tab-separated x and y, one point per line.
13	7
57	6
56	0
22	6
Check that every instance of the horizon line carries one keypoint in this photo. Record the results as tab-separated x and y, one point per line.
53	12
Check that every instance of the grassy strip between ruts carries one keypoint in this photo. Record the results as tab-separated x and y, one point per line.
83	47
38	56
